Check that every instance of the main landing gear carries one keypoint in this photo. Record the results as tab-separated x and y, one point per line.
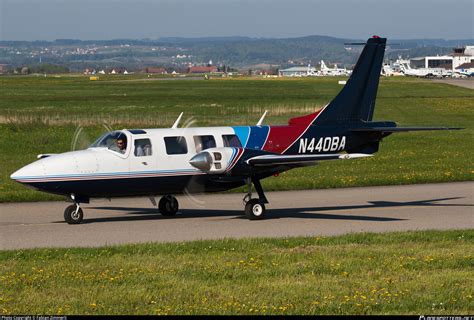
168	205
255	208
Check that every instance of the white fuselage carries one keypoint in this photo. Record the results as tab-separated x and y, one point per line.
146	155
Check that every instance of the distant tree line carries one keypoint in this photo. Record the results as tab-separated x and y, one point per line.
41	68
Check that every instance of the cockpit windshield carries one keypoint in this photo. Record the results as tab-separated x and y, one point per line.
115	141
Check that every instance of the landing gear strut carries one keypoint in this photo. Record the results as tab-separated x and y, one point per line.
168	205
255	208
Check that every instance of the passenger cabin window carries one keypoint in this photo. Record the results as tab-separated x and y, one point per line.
176	145
204	142
142	148
231	140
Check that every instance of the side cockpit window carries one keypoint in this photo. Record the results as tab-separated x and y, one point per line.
231	140
115	141
142	148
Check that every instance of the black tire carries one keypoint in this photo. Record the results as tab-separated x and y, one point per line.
71	216
168	206
254	210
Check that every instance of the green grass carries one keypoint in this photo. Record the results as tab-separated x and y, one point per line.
40	115
428	272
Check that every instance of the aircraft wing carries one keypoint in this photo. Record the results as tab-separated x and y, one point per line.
400	129
275	159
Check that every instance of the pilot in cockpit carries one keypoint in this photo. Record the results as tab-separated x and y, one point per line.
121	144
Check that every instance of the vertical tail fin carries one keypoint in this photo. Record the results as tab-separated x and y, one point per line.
323	66
356	101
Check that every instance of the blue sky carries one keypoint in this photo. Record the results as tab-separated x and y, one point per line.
112	19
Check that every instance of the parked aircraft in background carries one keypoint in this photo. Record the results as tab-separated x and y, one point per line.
326	71
464	72
388	71
149	162
425	72
312	72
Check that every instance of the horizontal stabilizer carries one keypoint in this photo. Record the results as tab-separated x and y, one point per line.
275	159
401	129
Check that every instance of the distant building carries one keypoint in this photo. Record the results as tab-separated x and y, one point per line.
297	71
202	69
3	68
468	65
89	71
120	70
458	57
265	72
159	70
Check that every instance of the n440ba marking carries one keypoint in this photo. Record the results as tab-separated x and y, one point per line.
323	144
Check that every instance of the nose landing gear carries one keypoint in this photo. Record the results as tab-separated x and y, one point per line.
73	214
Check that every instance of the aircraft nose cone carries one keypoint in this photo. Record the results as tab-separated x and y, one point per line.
20	173
30	171
201	161
15	175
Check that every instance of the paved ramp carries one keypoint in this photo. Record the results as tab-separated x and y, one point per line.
465	83
294	213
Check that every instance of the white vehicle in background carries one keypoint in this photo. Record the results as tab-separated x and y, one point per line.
326	71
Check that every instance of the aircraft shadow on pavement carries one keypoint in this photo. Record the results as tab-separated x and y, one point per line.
136	214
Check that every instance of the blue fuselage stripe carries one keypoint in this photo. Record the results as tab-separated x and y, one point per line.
257	138
243	134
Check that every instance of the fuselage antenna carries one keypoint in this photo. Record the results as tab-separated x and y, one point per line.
175	125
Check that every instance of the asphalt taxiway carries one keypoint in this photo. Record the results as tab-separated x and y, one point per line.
216	216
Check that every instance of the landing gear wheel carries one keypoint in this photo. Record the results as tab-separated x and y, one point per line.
73	214
168	206
254	209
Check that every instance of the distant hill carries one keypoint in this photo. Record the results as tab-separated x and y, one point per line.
232	51
241	51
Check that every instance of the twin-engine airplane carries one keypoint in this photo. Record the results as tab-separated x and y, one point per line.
149	162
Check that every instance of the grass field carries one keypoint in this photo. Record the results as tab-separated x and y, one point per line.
427	272
40	115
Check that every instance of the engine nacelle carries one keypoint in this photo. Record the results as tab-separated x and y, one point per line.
216	160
